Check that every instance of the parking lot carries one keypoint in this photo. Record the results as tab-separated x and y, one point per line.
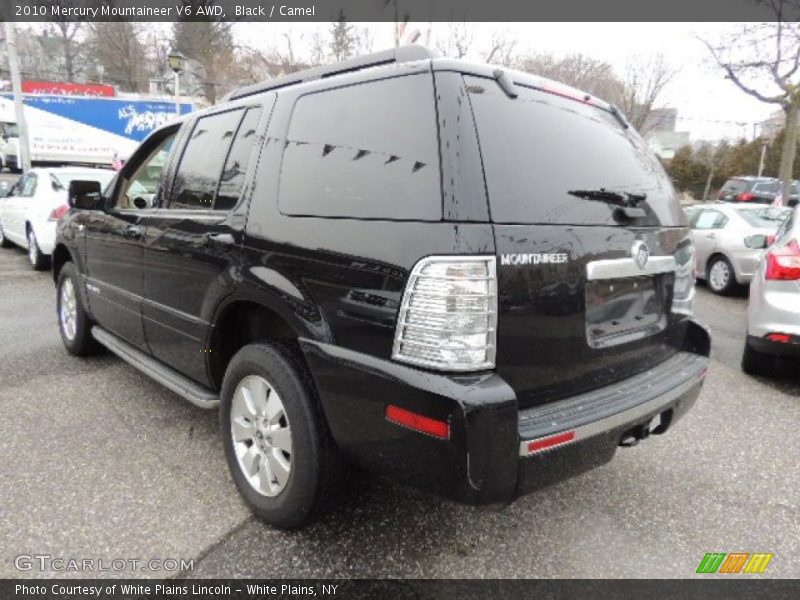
101	463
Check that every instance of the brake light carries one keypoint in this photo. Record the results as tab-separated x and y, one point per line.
784	262
59	212
417	422
782	338
448	317
745	197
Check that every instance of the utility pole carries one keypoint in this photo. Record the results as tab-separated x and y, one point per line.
761	162
24	157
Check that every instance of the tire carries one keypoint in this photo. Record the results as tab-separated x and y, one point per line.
720	276
757	363
74	323
39	261
286	499
4	241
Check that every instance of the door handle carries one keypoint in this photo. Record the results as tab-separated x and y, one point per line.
133	232
711	236
218	239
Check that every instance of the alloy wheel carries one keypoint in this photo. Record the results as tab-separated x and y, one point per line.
262	437
68	309
33	249
719	275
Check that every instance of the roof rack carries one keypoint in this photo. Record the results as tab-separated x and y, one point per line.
400	54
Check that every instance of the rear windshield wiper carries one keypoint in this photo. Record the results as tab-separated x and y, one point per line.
627	203
604	195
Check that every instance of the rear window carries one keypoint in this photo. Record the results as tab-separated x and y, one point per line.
766	188
734	186
365	151
539	146
765	218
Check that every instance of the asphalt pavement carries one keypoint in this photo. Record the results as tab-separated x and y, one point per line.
100	463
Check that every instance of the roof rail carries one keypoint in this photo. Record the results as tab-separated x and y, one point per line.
400	54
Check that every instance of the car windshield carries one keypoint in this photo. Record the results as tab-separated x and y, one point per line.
768	217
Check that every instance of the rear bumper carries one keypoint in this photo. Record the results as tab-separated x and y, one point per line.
46	236
487	459
789	349
745	263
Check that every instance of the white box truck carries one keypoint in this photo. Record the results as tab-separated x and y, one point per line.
65	129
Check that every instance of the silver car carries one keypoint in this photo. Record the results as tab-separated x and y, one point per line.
721	233
773	316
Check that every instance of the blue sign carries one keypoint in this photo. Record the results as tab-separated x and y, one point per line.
130	118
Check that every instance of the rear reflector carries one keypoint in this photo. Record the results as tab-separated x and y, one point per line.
420	423
782	338
551	441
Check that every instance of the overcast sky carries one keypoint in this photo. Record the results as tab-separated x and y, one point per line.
709	106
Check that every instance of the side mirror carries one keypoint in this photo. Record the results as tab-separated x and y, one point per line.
757	242
85	195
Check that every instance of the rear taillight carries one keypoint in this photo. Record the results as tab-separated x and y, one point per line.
448	318
59	212
781	338
685	271
745	197
784	262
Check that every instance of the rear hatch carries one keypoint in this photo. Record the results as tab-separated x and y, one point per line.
576	309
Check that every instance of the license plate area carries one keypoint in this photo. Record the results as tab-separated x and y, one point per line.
622	310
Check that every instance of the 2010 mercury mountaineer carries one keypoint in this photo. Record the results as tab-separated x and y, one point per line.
473	280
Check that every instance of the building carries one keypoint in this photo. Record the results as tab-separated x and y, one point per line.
661	119
770	127
666	143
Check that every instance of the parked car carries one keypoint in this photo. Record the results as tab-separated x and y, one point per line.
29	211
335	262
756	190
773	315
721	233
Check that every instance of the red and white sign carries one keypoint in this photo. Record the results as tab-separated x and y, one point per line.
68	89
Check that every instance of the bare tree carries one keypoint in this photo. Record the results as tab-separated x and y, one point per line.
68	32
501	50
644	82
117	47
713	158
577	70
211	45
763	60
457	42
347	41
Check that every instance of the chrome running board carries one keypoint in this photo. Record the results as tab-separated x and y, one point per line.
169	378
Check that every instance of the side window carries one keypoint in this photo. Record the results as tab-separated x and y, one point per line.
368	150
203	159
28	186
709	219
231	181
785	227
140	189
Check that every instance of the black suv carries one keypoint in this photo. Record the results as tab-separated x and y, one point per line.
475	281
758	190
